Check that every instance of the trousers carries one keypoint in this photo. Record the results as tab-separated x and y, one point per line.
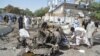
84	39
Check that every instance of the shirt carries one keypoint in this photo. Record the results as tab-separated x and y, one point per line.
76	23
90	29
79	31
23	33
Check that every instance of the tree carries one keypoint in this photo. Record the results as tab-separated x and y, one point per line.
16	10
11	9
1	10
28	12
8	8
95	8
41	12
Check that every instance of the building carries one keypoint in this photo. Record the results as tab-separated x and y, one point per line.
65	11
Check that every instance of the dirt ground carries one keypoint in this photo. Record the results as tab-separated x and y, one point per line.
10	43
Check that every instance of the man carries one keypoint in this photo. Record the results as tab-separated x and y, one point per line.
79	34
91	29
44	25
85	23
24	35
14	19
20	21
10	21
1	18
6	19
26	22
75	23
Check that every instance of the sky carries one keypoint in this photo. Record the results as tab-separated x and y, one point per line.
23	4
97	0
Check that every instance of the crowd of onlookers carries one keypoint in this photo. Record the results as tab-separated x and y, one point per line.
80	32
83	32
8	19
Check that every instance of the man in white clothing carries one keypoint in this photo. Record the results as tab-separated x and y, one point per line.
26	22
79	34
24	35
76	23
91	29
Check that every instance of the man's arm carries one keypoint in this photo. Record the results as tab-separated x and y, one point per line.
94	32
72	36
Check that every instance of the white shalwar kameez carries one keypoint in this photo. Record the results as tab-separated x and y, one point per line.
80	34
90	29
76	23
24	34
26	22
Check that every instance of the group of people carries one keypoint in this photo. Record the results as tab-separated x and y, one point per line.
24	21
83	33
8	19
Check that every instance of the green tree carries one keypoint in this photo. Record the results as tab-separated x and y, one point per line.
1	10
11	9
95	8
8	8
41	12
16	10
28	12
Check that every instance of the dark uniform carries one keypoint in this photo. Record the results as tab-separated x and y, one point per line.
20	21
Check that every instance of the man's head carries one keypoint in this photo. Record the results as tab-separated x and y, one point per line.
89	21
72	29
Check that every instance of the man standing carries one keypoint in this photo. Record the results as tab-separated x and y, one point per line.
9	21
26	22
75	23
91	29
20	21
1	18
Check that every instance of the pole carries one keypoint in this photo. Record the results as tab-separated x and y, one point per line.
64	10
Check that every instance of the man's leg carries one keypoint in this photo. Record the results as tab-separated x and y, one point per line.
77	42
24	43
86	41
91	41
78	39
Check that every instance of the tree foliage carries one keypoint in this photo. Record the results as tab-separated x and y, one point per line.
28	12
16	10
41	12
1	10
95	8
38	13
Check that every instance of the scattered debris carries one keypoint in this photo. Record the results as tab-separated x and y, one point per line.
81	51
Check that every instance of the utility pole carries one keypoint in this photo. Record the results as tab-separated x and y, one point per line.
64	10
48	3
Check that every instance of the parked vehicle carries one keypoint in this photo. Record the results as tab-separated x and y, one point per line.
96	38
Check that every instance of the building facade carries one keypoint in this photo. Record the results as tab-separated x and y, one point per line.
64	11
